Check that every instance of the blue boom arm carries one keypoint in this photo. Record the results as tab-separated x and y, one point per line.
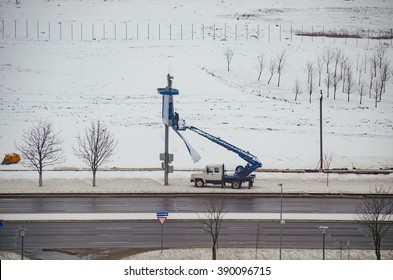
253	161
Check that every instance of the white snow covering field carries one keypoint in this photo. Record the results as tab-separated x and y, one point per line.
72	62
72	82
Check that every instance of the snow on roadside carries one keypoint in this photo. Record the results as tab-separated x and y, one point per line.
121	182
263	254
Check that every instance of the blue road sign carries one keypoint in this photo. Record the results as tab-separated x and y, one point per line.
1	224
162	214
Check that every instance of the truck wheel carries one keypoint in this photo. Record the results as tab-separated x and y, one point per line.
199	183
236	184
238	168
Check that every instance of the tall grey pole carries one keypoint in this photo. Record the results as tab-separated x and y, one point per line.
280	221
323	228
320	132
323	249
162	238
166	167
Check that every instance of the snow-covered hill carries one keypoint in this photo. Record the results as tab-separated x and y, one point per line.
71	79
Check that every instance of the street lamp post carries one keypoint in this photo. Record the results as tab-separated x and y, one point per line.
22	232
323	228
281	220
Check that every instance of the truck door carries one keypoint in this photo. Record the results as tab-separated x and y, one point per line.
210	175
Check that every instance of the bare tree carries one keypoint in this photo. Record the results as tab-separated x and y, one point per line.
384	75
357	61
328	57
374	214
336	77
281	65
327	160
96	146
335	83
272	69
362	91
350	80
328	83
381	53
376	88
42	147
261	65
228	52
319	65
311	85
360	72
212	221
374	63
297	89
309	69
343	70
370	84
365	60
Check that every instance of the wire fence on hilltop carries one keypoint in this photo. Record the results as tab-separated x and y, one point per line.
272	33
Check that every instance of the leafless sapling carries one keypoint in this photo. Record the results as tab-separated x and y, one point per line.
374	214
343	70
311	85
365	62
350	80
384	75
374	63
41	147
371	80
319	67
212	220
309	69
362	91
281	65
297	89
328	83
381	52
376	88
272	69
328	57
228	52
261	65
327	160
95	146
335	83
335	75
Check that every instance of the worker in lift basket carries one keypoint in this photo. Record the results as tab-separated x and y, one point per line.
176	120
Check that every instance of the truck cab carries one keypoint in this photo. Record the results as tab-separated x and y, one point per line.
212	174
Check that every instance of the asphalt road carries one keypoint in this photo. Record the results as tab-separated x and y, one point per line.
181	204
184	234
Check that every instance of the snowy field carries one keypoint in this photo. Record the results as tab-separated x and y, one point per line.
72	82
242	254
